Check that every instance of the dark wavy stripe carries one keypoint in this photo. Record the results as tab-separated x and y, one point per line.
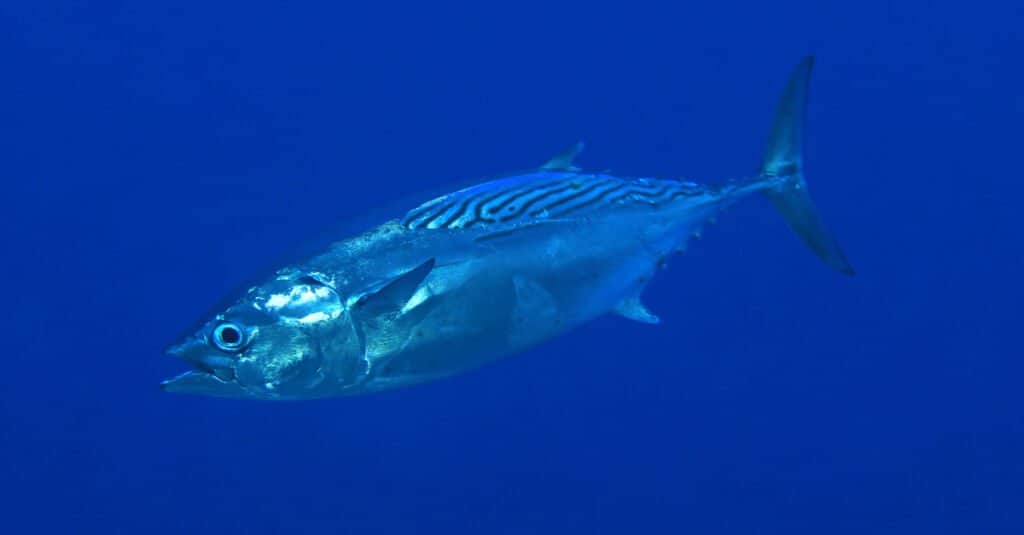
530	196
590	202
567	199
526	205
438	212
633	193
463	208
479	212
476	201
519	195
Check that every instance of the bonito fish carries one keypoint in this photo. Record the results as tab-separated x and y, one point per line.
480	274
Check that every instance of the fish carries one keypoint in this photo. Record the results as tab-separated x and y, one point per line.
480	274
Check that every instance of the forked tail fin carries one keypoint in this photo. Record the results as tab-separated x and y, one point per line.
783	159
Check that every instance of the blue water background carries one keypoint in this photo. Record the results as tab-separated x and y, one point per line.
155	155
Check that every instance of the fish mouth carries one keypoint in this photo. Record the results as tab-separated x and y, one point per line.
212	375
204	383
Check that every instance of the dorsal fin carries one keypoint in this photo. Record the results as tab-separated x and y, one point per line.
563	161
632	308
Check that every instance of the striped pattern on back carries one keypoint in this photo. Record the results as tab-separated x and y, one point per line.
541	195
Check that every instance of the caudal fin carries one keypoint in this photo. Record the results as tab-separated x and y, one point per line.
783	159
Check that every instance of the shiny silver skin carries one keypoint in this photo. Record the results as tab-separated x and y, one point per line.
311	331
408	302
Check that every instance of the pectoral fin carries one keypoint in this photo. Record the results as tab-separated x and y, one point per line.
632	308
535	314
396	292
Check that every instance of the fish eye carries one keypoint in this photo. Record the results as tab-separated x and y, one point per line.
228	337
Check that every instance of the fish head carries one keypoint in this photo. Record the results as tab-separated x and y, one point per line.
288	338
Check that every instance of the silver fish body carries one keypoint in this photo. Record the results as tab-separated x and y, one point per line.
477	275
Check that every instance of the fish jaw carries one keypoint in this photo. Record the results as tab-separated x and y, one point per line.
212	375
202	383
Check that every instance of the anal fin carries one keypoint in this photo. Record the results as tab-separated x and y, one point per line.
632	308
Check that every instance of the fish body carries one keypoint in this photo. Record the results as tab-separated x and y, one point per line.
477	275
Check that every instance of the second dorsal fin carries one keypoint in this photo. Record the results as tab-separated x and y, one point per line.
563	161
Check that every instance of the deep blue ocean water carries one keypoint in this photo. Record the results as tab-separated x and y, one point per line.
154	156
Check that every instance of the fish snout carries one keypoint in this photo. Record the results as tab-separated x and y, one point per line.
202	356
